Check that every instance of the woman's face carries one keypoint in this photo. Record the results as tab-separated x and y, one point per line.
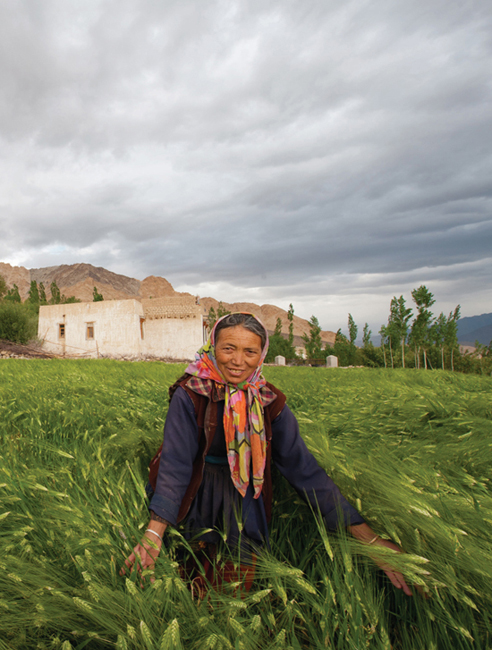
237	352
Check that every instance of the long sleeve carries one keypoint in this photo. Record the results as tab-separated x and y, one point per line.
299	467
179	450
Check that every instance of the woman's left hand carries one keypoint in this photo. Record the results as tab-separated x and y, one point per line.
366	535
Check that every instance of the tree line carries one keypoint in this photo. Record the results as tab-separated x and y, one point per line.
428	341
425	333
18	319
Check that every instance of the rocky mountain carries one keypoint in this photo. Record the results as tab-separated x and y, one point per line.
79	280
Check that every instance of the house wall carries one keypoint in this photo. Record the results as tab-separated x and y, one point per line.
173	327
118	329
176	338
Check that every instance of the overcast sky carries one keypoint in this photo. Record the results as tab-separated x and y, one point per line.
325	153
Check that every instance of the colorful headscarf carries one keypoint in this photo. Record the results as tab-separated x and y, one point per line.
244	425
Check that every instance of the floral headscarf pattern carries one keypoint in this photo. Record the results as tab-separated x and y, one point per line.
244	425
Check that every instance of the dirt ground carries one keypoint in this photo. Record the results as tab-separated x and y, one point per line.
9	350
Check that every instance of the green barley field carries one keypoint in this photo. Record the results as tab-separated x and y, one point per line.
411	449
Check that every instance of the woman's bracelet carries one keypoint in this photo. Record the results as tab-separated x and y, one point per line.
149	530
373	540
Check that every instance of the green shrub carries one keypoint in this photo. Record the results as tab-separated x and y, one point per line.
18	323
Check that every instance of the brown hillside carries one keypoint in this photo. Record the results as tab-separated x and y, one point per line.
16	275
84	290
75	280
155	287
268	314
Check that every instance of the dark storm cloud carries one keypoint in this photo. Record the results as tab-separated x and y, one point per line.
272	149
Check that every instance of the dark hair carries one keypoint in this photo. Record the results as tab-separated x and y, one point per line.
247	321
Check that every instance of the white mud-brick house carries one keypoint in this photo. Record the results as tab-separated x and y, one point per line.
170	327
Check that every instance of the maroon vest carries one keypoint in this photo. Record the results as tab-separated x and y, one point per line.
206	417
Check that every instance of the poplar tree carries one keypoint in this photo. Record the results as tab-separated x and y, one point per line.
33	293
290	316
211	318
438	333
13	294
42	295
451	332
313	342
3	287
423	299
383	333
366	337
398	322
222	311
55	294
96	296
279	345
278	328
353	329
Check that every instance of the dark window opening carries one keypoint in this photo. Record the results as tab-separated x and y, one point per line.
61	331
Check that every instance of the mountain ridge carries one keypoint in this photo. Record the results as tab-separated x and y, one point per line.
475	328
79	280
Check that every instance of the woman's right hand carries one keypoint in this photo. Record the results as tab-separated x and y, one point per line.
144	555
146	551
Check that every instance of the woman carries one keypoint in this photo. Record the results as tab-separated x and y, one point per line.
225	423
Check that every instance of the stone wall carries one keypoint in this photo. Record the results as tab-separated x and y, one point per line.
171	307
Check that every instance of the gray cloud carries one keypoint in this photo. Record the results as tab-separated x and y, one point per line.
320	151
